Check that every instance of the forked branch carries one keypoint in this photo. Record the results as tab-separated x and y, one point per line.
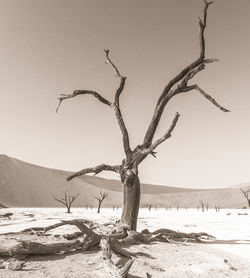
100	199
67	200
96	170
115	105
179	83
150	150
102	196
246	193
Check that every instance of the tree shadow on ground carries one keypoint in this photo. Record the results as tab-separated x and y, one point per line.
56	257
230	241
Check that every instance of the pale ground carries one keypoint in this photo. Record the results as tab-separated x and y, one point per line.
193	260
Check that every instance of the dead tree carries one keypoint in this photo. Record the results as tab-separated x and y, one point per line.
128	169
217	208
246	193
67	200
149	207
32	241
202	206
100	199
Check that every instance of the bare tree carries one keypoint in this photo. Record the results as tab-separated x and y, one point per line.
207	206
124	234
128	168
202	206
100	199
246	193
67	200
217	208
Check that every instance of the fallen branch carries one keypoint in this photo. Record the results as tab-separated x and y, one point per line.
36	248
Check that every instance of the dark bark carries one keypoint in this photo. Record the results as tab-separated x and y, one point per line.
99	206
131	202
100	199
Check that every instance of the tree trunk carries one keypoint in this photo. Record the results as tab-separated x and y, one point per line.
248	202
99	206
131	202
68	209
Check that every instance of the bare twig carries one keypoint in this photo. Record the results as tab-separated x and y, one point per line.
212	100
108	61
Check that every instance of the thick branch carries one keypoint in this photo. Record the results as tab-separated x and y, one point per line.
96	170
150	150
166	135
125	137
36	248
164	98
83	92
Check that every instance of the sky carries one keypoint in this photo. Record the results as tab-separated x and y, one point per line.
53	47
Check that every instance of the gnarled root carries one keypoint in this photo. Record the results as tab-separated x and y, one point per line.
33	247
111	267
31	241
171	236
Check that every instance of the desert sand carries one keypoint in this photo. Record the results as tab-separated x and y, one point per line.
227	256
26	185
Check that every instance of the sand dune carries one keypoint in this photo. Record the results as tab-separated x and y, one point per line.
26	185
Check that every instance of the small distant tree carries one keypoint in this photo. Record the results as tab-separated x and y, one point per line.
67	200
217	208
202	206
207	206
149	207
246	193
100	199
